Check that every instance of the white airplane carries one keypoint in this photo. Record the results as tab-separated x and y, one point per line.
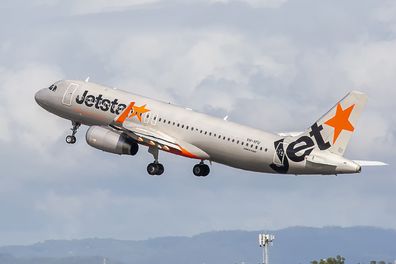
121	121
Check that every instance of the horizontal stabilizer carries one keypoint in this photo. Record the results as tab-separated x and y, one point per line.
370	163
290	134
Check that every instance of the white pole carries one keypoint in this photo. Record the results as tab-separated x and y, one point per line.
266	253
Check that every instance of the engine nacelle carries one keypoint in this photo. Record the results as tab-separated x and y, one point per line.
112	141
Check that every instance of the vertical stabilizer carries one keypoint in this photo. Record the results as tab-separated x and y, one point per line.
339	123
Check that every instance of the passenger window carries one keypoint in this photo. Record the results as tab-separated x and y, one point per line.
146	119
154	120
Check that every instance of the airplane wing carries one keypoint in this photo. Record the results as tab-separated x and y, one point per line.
151	137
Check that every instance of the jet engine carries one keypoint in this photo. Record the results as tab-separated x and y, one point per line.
112	141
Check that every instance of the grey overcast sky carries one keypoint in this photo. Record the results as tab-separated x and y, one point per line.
272	64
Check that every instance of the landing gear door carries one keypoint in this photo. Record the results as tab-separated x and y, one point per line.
68	96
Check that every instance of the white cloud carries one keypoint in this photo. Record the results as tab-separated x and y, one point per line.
29	124
386	13
372	66
75	7
182	64
98	6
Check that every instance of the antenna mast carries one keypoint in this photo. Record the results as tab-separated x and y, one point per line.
265	240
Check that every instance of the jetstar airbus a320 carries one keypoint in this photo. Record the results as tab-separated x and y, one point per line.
120	121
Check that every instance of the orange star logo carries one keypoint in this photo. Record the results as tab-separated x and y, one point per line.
132	111
340	121
138	111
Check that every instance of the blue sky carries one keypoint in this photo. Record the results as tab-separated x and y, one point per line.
285	61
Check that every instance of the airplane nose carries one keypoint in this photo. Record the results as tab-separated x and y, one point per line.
40	97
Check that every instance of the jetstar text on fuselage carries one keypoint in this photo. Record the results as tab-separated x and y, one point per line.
104	104
300	148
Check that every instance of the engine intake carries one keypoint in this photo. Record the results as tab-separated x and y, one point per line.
112	141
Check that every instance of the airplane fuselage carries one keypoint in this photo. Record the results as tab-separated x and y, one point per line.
218	140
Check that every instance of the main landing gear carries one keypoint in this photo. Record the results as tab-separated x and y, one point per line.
155	168
71	139
201	170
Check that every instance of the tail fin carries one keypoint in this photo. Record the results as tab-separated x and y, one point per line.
334	129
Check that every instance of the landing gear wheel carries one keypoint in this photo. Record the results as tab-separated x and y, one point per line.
71	139
197	170
160	168
201	170
155	169
206	170
152	169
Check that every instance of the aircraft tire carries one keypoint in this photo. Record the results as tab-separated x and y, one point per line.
201	170
197	170
160	169
155	169
152	169
205	170
71	139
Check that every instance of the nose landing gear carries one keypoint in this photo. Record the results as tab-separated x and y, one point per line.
201	170
71	139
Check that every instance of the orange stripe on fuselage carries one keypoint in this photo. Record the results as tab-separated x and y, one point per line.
125	114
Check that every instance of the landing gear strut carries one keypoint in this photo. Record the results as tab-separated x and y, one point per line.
71	139
155	168
201	170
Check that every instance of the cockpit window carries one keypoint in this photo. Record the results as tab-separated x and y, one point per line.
53	87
